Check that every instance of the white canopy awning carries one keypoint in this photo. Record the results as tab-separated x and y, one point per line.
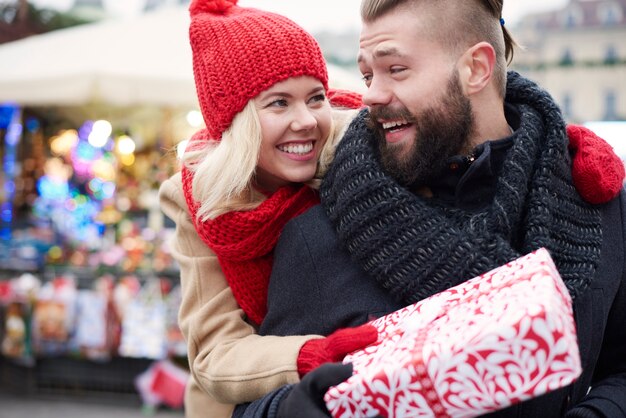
141	61
146	60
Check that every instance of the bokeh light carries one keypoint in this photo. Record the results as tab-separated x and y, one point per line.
100	132
194	119
125	145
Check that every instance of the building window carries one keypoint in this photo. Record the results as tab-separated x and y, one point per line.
566	58
611	57
572	17
609	13
610	105
566	106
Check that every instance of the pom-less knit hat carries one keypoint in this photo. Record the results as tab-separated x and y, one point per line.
239	52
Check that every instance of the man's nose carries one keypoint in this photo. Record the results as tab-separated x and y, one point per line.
378	93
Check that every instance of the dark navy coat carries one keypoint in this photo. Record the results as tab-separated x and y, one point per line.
315	288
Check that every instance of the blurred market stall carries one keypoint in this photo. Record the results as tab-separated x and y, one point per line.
96	112
90	120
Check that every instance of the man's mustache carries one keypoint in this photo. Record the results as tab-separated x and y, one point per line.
388	113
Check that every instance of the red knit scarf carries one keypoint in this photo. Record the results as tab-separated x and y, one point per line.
244	241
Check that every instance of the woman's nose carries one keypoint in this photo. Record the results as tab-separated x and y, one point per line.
303	119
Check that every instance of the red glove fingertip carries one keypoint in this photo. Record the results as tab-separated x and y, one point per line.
345	99
347	340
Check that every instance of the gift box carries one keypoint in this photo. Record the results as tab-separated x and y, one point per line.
162	383
169	384
498	339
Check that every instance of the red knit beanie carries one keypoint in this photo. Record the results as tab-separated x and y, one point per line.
239	52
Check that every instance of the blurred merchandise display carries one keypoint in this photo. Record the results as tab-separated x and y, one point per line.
88	288
80	198
122	317
117	319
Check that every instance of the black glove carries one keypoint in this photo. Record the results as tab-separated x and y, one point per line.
306	399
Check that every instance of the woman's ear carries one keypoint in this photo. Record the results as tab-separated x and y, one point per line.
476	67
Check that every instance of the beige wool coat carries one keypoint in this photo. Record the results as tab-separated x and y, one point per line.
229	362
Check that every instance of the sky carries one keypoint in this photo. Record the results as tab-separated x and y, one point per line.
317	15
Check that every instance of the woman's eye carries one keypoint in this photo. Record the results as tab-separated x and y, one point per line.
278	103
318	98
396	70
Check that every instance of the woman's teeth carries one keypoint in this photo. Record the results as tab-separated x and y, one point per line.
297	148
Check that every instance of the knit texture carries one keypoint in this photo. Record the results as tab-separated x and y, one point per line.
334	347
244	241
240	52
597	172
415	247
345	99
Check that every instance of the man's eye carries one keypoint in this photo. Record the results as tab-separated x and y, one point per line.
396	70
367	78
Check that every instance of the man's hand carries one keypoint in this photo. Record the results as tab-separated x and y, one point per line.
306	399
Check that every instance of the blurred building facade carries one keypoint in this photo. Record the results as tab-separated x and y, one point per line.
578	53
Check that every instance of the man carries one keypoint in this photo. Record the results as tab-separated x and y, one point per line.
453	171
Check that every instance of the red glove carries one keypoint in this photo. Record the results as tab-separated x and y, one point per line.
344	98
597	172
334	347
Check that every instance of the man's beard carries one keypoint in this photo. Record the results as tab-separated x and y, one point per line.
443	130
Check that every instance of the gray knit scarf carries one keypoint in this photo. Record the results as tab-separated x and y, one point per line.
415	247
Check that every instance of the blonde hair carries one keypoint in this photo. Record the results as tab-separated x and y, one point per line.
341	119
224	170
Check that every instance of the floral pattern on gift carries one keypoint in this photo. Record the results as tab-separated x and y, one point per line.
498	339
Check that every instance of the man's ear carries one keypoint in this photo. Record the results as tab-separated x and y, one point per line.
476	67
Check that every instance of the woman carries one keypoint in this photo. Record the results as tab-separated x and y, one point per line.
262	87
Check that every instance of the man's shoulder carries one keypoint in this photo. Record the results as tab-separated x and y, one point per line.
314	219
616	206
614	234
312	228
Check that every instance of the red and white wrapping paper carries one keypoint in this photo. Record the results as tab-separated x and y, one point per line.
498	339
